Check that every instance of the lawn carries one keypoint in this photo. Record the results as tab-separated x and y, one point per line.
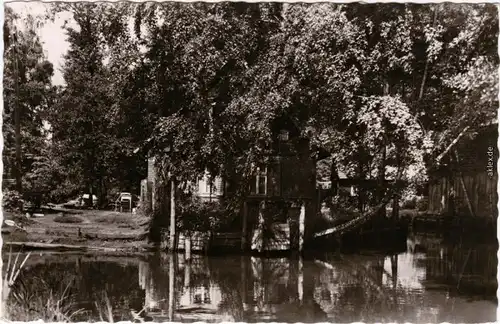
79	227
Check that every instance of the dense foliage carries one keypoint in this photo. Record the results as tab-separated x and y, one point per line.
28	93
383	89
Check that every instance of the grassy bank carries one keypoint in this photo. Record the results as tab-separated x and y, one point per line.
84	228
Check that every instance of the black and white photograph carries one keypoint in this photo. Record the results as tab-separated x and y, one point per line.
249	162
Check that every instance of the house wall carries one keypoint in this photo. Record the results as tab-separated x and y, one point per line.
151	188
476	168
151	170
481	190
207	192
290	176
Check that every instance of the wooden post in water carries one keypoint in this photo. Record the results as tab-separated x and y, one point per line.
171	288
394	270
302	219
171	243
187	274
187	246
293	278
300	280
244	234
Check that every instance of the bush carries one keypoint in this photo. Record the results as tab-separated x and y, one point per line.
12	200
123	220
69	219
410	203
115	218
198	215
422	204
344	208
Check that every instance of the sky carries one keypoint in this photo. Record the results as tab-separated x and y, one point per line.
52	35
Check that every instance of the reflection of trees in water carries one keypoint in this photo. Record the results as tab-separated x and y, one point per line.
236	289
99	281
352	289
229	275
77	285
469	270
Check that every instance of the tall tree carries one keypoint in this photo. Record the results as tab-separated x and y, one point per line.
28	93
82	118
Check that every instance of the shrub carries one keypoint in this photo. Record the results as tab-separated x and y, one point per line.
12	200
410	203
198	215
116	218
69	219
344	207
422	204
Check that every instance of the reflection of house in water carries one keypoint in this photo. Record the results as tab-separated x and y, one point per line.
349	289
192	289
238	289
408	273
279	290
266	294
207	297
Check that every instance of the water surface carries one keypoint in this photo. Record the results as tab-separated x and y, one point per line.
431	282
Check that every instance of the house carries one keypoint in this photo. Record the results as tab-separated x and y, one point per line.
344	185
468	173
287	181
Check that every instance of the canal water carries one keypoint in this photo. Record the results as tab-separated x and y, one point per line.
430	282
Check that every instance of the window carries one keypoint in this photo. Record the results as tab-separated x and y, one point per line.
283	135
211	185
208	185
259	186
354	191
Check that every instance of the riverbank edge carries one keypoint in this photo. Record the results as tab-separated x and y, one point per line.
38	246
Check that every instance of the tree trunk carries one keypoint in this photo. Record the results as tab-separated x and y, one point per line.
426	68
449	147
244	234
334	177
381	179
171	241
395	201
104	193
91	197
17	121
361	175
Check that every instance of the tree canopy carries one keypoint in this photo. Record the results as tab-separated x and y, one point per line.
383	89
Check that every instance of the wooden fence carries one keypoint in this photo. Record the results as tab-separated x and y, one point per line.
476	191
